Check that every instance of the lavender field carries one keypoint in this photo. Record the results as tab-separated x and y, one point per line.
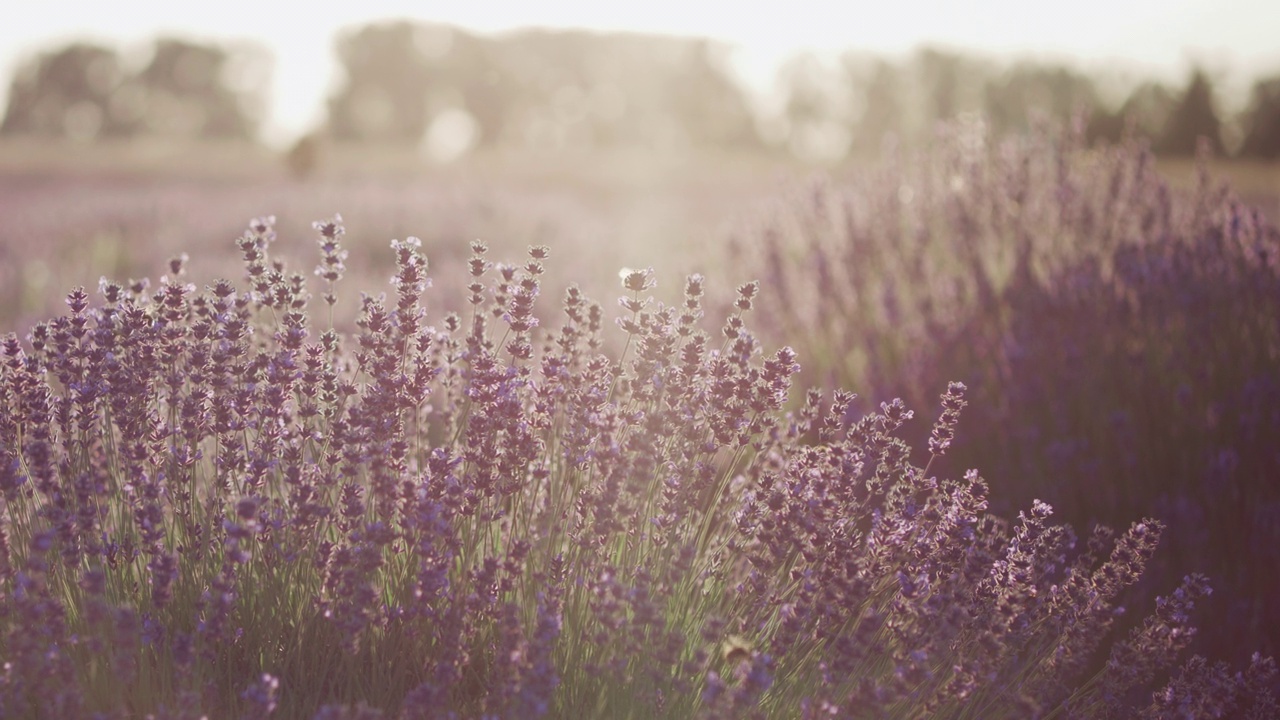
987	430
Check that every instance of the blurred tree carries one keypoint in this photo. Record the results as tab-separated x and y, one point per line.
385	82
1262	138
818	107
1144	115
83	92
707	103
950	83
881	105
401	76
1194	117
548	79
479	83
199	90
388	70
1011	99
809	90
940	74
1105	127
546	88
66	93
939	86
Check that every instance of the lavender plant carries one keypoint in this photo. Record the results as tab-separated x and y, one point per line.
215	504
1119	337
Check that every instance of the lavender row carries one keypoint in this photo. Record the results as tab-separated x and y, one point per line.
216	504
1120	336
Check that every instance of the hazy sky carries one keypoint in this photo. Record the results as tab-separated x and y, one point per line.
1235	38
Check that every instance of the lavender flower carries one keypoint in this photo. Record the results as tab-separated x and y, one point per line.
511	518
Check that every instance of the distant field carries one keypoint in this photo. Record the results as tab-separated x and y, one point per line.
1258	183
70	214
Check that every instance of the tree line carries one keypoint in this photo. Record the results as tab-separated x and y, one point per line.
402	80
86	91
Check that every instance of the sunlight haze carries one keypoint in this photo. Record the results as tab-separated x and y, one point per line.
1233	39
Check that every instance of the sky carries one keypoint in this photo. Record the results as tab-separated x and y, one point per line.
1237	39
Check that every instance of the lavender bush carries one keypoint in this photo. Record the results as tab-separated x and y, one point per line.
1119	337
217	505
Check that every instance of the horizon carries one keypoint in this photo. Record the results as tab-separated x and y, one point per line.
1141	38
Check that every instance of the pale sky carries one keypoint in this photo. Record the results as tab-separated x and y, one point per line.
1235	38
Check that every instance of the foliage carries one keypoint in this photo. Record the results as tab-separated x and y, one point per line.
189	90
67	92
1262	140
1011	102
215	504
1119	339
385	85
551	89
1193	120
538	88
